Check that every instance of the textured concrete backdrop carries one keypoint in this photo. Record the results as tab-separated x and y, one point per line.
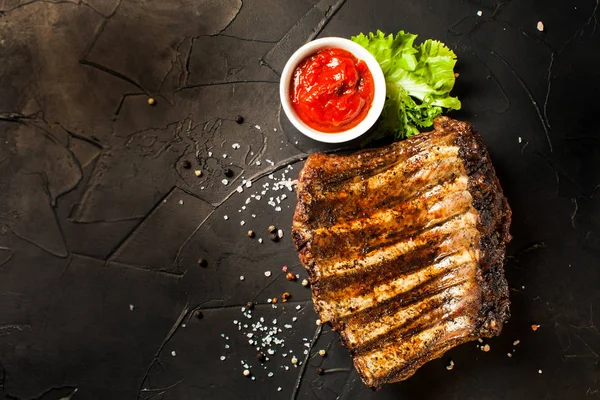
101	224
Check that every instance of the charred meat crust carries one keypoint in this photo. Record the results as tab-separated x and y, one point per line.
494	223
334	189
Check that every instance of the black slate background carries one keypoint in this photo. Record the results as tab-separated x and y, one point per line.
98	215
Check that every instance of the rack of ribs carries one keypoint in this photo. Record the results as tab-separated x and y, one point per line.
404	247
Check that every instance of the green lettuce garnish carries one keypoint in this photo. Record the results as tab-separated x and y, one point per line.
419	80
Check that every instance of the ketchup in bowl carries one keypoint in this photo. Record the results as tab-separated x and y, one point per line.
332	91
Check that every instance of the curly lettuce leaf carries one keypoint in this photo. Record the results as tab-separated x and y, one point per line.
418	78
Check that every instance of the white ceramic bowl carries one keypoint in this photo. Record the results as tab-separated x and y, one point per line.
359	52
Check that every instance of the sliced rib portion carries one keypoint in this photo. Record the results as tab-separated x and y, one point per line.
404	246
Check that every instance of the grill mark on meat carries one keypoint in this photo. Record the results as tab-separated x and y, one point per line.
392	224
424	284
423	345
401	246
427	255
401	169
401	321
359	200
399	266
363	227
335	286
338	171
432	315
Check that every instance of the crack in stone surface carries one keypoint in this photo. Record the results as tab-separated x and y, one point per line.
530	95
305	363
307	28
172	332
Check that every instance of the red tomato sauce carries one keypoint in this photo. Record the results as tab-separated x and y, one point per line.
332	91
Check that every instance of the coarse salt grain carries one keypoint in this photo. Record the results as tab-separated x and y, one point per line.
257	126
246	372
242	223
540	26
225	217
235	146
298	307
260	240
539	371
223	358
181	202
131	307
173	353
267	273
242	278
479	13
239	189
224	181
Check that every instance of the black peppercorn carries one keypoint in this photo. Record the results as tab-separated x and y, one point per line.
272	229
239	119
250	305
274	237
187	164
202	262
199	314
320	371
260	357
228	172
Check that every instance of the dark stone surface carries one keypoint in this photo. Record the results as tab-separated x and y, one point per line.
99	277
